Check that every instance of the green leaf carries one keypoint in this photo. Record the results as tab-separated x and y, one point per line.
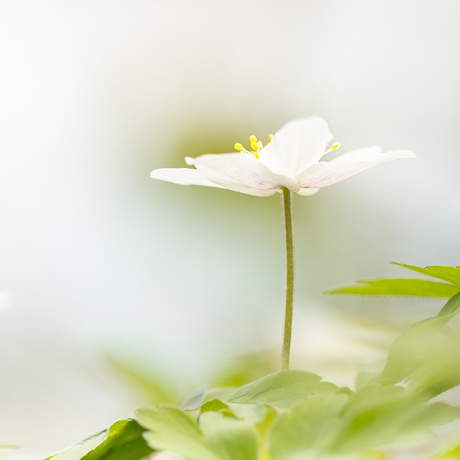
310	426
399	287
141	377
409	286
424	346
122	441
79	450
439	368
451	307
254	413
408	350
328	425
370	374
452	453
214	405
377	415
280	390
216	437
194	400
449	274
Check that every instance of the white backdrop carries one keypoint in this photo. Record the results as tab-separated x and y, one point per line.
96	256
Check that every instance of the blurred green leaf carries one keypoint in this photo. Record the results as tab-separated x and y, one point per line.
79	450
451	307
370	374
193	401
310	426
452	453
423	352
218	393
439	368
139	376
377	415
337	424
214	405
253	413
399	287
215	438
122	441
279	390
409	349
247	368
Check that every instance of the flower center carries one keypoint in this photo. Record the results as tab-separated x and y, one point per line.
255	144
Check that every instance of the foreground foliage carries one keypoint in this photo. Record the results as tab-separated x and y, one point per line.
295	414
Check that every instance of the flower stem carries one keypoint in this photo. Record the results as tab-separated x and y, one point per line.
289	277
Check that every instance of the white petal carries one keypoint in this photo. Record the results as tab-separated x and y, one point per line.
297	145
345	166
241	173
182	176
307	191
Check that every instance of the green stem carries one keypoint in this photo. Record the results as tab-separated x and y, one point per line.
289	278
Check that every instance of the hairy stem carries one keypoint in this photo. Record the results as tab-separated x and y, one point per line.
289	277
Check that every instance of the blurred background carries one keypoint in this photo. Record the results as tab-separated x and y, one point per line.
118	291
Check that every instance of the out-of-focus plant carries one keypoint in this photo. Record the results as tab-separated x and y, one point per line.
293	414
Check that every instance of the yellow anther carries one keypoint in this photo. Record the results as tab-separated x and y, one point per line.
259	143
332	148
254	146
270	137
256	155
238	147
252	139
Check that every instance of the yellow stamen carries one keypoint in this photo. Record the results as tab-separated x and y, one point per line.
256	155
239	147
334	147
254	146
270	137
261	146
252	139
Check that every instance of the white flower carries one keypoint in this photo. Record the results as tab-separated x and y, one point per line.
291	160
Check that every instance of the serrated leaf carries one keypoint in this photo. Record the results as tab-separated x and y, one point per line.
309	426
122	441
399	287
216	437
449	274
279	390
